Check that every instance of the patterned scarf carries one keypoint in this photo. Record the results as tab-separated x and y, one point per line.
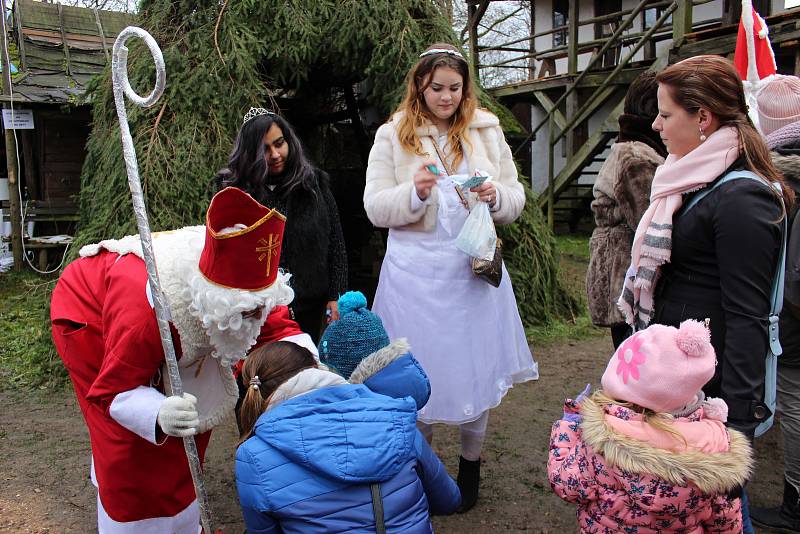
652	244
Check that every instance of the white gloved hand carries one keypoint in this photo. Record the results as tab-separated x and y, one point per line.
178	416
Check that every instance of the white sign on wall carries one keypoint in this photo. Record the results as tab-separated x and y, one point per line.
22	120
792	3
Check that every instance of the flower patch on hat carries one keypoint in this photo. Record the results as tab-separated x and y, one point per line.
630	356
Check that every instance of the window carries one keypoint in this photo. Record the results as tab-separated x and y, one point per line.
607	26
560	18
652	14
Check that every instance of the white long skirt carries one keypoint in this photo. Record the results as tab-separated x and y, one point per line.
466	334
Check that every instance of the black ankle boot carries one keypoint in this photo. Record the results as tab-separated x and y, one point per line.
469	477
785	518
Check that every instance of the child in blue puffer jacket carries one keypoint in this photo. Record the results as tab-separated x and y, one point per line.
320	454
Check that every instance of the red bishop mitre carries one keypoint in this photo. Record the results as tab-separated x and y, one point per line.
247	258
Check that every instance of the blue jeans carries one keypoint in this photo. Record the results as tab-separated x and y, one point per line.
747	525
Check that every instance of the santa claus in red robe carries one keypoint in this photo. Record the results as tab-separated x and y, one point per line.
225	295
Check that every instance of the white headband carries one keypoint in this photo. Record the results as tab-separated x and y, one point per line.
441	51
252	113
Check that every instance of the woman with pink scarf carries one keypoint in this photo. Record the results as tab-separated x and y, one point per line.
718	259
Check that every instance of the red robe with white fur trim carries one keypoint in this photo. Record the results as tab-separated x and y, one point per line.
105	331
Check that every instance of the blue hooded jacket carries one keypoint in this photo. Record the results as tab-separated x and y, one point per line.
309	466
393	371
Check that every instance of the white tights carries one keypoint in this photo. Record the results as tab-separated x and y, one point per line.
472	435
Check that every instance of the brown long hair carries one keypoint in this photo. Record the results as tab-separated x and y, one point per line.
273	364
416	114
712	83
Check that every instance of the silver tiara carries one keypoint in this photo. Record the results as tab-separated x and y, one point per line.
441	51
252	113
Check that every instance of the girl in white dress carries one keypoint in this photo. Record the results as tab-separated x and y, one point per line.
467	334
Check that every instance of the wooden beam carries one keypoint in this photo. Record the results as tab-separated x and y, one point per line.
101	32
731	11
358	127
797	61
681	22
725	44
532	45
625	77
64	38
16	98
547	104
31	177
522	91
601	98
21	43
472	28
58	35
550	197
572	37
570	138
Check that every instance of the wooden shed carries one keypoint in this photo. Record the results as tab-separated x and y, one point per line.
58	50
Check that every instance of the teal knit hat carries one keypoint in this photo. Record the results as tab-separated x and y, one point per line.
357	334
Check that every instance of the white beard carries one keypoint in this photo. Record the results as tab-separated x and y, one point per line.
219	311
208	317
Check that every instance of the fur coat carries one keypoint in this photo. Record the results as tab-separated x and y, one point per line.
621	196
391	169
313	245
787	161
621	484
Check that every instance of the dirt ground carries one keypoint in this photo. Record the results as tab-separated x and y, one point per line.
44	457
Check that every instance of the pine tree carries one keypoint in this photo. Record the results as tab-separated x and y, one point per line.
223	57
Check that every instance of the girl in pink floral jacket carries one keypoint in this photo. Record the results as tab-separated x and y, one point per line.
649	454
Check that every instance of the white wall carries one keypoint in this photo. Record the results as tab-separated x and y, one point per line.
778	6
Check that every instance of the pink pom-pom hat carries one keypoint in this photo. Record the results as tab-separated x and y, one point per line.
662	367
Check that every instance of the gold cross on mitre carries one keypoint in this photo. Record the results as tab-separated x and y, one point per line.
269	248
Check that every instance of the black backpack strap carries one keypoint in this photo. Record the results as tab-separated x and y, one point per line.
377	508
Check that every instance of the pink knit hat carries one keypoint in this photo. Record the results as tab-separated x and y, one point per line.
662	367
778	103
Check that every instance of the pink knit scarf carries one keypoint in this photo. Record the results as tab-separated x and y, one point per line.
704	435
652	244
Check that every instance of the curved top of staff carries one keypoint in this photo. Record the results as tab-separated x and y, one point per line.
119	66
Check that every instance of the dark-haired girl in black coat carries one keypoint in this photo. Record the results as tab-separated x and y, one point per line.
268	162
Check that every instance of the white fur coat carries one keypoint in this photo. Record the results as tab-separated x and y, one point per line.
391	169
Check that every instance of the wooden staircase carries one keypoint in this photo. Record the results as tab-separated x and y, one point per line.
567	189
572	186
574	199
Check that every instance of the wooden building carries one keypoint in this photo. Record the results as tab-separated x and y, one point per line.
58	50
576	65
